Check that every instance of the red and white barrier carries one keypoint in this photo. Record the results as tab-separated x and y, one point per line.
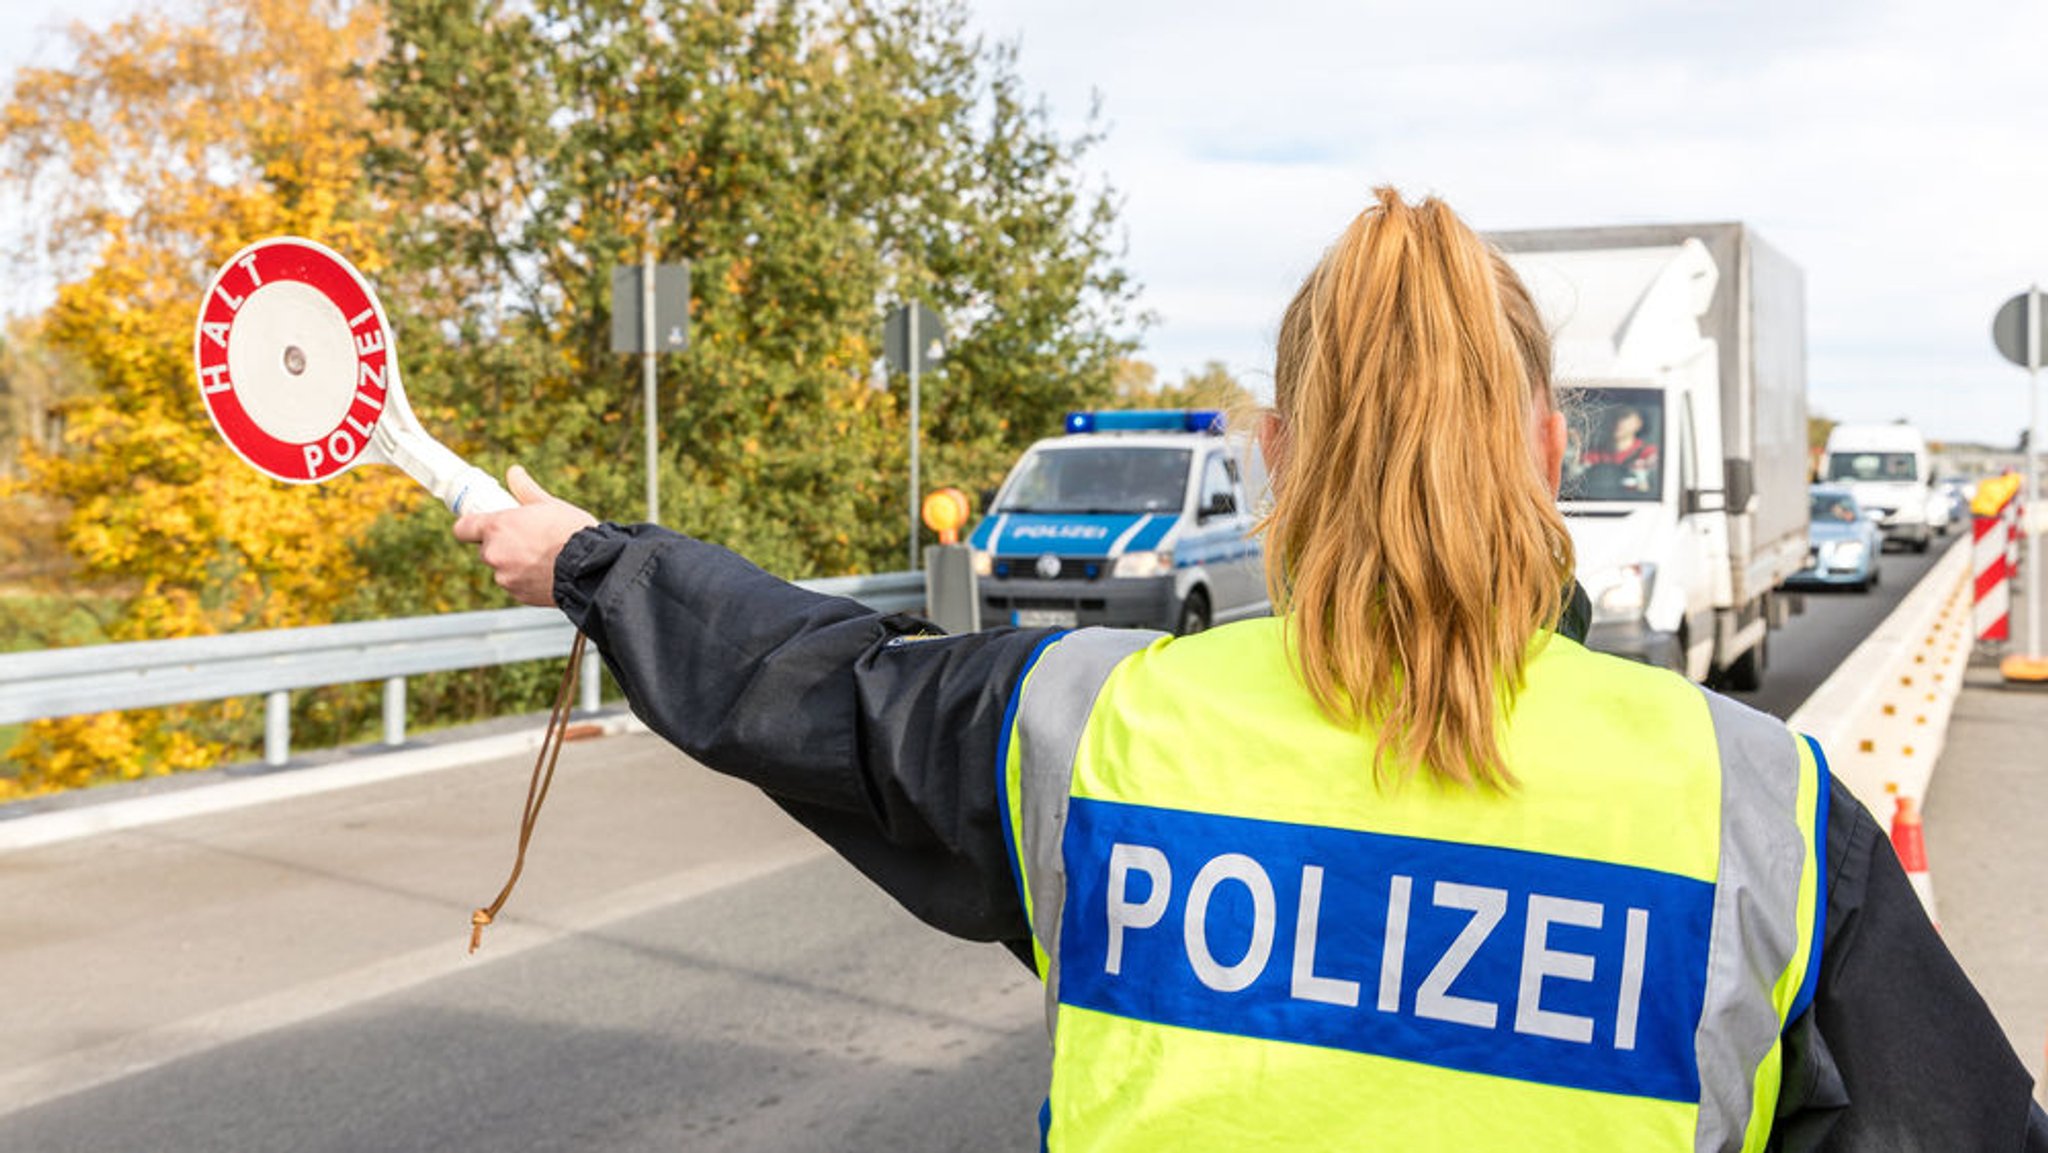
1991	616
2015	531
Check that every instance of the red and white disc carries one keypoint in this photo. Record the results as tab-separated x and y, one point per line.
294	359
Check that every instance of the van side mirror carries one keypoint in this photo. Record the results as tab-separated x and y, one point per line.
988	499
1220	504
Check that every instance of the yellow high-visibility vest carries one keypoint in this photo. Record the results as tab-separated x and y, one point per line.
1247	944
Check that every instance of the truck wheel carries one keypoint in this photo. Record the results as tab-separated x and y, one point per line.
1746	675
1194	614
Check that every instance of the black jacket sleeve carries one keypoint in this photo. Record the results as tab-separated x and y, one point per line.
1898	1052
875	732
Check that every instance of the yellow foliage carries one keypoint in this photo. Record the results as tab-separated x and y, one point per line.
73	752
175	140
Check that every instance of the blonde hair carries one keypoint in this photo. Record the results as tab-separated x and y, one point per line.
1414	542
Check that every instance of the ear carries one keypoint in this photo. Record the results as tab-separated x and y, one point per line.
1273	442
1550	446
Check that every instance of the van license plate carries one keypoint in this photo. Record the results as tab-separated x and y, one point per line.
1046	618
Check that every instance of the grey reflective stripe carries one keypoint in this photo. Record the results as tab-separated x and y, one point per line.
1052	710
1756	915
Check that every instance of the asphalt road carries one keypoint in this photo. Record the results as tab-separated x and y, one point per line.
682	968
1811	646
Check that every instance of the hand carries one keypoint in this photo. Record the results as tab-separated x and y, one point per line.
520	544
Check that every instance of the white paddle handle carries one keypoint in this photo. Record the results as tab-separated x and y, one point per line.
460	485
479	492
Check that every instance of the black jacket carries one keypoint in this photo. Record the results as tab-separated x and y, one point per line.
881	738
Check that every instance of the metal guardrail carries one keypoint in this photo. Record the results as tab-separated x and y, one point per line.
273	662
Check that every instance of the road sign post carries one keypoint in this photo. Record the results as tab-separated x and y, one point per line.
913	339
650	315
2017	330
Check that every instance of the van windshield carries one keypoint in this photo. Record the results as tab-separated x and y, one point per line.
1892	466
1105	479
1613	445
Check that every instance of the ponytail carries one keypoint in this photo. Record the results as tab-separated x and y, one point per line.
1414	542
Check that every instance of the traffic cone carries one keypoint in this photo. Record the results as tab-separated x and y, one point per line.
1911	847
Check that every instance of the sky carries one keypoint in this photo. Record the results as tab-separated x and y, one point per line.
1897	150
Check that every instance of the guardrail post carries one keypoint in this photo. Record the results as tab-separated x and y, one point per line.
587	682
952	599
394	711
277	727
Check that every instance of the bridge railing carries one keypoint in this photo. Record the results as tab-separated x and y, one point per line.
272	663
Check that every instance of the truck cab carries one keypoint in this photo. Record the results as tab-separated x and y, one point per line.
1132	518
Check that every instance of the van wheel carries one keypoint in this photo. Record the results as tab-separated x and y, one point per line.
1194	614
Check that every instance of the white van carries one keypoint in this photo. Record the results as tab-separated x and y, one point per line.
1890	471
1138	518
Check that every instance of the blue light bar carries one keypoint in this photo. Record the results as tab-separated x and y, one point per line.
1147	420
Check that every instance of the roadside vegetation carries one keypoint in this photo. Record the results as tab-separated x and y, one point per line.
487	165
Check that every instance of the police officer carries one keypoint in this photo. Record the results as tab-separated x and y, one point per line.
1404	866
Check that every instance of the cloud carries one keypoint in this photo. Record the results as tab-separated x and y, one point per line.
1892	150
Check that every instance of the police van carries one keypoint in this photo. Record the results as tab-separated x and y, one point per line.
1136	518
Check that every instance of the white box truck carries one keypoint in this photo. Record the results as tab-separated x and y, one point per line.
1680	361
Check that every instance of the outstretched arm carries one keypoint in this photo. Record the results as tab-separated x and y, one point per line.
876	732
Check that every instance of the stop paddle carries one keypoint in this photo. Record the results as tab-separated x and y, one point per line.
298	372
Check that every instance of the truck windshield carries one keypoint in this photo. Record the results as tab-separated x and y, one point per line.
1892	466
1614	444
1105	479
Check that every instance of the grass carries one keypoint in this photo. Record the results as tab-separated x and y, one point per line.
45	620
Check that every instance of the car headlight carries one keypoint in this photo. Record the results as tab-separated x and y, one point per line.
984	563
1626	593
1144	564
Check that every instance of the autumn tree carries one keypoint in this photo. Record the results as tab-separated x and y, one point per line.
1212	386
35	381
173	139
813	164
486	164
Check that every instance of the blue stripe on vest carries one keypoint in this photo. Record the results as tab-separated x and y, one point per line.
1809	982
1548	969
